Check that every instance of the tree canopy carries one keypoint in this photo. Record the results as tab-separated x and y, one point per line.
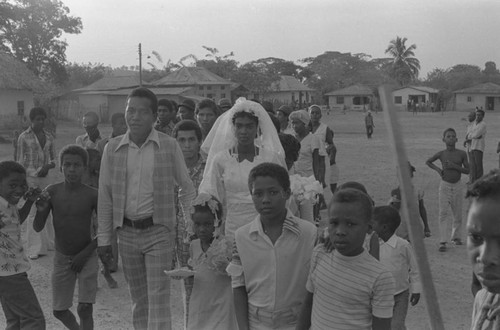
405	66
31	31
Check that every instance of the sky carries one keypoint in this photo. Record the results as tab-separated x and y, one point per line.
446	32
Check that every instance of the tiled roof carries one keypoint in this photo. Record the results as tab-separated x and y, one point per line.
353	90
486	88
189	76
290	84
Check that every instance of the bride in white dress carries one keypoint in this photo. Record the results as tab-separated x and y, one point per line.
240	139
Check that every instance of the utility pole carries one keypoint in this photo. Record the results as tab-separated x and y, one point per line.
140	65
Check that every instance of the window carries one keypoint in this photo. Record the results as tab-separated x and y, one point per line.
222	87
210	96
360	100
398	100
209	88
340	100
469	98
201	88
20	108
222	96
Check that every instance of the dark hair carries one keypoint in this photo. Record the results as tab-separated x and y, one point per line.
271	170
168	104
73	149
268	106
9	166
187	125
244	114
487	186
449	129
291	146
92	154
350	195
148	94
117	116
206	209
387	215
92	114
37	111
353	185
207	103
480	110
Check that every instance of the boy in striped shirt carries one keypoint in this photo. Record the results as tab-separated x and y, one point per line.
347	288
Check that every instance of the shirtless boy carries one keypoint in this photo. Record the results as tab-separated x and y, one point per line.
72	204
453	164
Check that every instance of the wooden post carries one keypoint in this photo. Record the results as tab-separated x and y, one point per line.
410	209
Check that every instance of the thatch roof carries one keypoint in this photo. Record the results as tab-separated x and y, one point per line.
113	81
424	89
190	76
290	84
352	90
486	88
15	74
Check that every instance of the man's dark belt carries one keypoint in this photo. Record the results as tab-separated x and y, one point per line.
139	224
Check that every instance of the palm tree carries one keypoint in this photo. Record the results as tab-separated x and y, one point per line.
405	65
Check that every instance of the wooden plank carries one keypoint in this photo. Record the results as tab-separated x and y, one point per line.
410	209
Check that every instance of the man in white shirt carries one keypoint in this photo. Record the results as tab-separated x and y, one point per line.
477	135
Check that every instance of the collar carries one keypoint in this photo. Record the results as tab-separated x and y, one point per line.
393	241
290	224
86	136
30	130
153	136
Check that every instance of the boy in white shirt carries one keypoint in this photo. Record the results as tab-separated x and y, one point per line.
397	255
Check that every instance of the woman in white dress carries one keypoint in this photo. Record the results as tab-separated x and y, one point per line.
240	139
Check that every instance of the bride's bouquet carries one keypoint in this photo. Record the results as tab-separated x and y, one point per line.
218	256
305	188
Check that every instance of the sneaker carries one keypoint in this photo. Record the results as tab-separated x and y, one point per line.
442	247
457	241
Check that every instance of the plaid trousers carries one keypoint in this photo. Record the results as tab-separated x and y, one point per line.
145	255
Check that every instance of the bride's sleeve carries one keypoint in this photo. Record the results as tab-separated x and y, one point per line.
213	179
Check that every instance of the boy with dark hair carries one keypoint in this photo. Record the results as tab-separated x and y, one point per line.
397	255
17	296
166	116
72	204
92	136
483	246
271	255
347	287
453	164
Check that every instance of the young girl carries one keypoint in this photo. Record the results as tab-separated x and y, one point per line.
211	304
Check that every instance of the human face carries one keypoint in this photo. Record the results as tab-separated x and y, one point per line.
139	115
483	241
73	168
38	122
347	226
120	127
479	116
165	115
315	115
206	118
185	113
188	141
203	225
471	116
90	125
269	197
281	117
13	187
245	130
450	138
298	126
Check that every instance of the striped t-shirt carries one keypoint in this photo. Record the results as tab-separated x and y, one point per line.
347	291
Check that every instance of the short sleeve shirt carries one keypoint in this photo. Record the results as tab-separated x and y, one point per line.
304	164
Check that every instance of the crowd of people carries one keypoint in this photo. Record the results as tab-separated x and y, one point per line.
226	198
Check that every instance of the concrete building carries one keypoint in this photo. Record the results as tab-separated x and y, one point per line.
355	97
406	97
289	90
486	96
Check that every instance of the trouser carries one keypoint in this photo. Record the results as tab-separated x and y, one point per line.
450	199
477	161
39	243
261	319
145	254
369	131
471	166
400	310
20	304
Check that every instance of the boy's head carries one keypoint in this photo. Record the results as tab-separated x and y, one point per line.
37	118
94	159
349	217
166	111
353	185
188	135
483	228
269	186
74	161
13	183
206	216
119	124
450	137
292	148
479	115
471	116
386	220
90	122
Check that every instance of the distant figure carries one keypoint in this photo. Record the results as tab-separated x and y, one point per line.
477	135
206	113
225	104
282	114
186	110
92	136
369	124
467	143
166	117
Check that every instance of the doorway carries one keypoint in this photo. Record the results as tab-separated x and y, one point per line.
490	103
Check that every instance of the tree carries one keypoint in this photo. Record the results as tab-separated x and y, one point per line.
31	30
255	77
222	65
81	75
405	66
490	68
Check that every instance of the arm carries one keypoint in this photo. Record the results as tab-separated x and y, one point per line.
319	172
477	131
375	246
381	323
423	214
304	321
25	210
430	163
241	307
81	258
105	204
20	150
329	139
187	193
415	285
43	208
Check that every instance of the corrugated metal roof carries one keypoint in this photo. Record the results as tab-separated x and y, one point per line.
189	76
113	82
353	90
486	88
424	89
126	91
290	84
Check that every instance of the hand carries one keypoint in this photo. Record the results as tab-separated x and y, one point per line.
78	262
105	254
43	171
3	216
33	194
42	201
414	298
